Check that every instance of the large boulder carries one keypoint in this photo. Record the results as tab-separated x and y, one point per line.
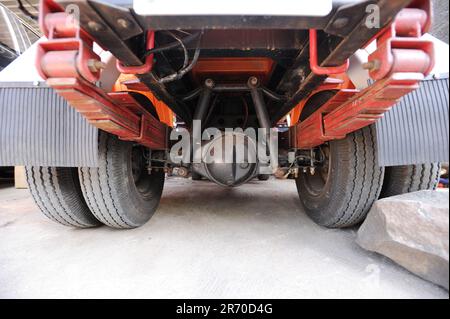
413	230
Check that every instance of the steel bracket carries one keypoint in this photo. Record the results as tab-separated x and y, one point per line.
70	66
313	59
399	63
147	66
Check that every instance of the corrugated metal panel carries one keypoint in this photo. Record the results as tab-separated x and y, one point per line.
37	127
417	129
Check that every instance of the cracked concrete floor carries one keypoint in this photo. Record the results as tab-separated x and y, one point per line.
254	241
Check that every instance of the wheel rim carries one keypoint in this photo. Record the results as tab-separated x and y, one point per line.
141	178
316	184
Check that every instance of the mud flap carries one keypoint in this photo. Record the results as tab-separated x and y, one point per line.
416	130
37	127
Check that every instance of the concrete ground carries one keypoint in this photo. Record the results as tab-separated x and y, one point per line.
254	241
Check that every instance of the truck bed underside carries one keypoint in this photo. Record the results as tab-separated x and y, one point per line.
202	67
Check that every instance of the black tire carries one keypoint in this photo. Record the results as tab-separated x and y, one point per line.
410	178
263	177
196	176
341	193
57	193
120	192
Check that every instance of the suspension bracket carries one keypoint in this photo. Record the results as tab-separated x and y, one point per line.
314	59
68	63
402	59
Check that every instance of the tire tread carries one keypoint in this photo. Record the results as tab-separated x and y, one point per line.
54	190
356	182
410	178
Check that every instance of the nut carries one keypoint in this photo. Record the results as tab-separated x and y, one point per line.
253	81
95	26
95	65
371	65
124	23
209	83
340	22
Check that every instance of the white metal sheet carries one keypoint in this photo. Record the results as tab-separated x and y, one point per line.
233	7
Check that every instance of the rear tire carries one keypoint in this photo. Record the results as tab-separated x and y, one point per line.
120	192
343	190
196	176
57	193
410	178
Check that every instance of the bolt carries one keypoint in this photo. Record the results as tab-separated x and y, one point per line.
95	65
340	22
253	81
95	26
280	172
124	23
312	170
436	76
182	172
244	165
209	83
291	157
371	65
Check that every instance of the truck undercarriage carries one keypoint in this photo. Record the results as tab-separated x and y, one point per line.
296	75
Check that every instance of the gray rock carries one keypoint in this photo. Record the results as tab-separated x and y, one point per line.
413	230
